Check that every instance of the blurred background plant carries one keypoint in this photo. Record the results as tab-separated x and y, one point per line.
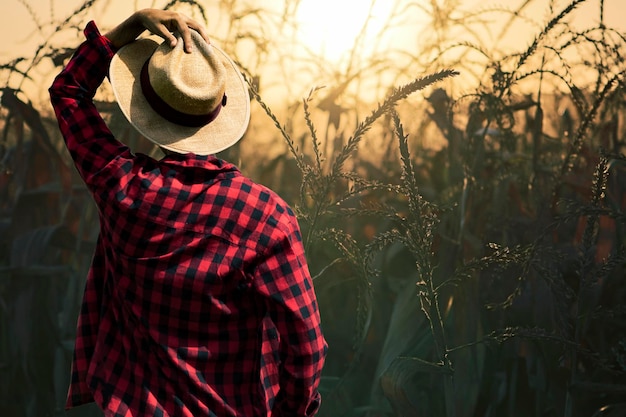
461	196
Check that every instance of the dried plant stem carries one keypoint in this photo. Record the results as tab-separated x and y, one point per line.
585	266
283	131
35	60
418	238
398	94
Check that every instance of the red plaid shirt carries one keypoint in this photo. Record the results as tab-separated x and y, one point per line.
198	301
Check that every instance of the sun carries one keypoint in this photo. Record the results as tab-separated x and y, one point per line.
329	28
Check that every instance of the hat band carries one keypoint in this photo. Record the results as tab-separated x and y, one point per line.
168	112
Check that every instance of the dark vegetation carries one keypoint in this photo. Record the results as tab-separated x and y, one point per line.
483	277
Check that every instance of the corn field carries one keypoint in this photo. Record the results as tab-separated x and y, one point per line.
462	203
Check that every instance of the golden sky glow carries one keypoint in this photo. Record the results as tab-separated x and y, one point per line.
327	26
330	27
324	28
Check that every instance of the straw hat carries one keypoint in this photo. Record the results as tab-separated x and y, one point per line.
185	102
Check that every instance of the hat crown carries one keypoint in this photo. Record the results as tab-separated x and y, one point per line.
202	105
192	83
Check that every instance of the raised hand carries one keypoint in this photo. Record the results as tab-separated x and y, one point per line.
159	22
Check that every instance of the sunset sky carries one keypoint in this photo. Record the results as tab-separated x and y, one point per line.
17	25
330	35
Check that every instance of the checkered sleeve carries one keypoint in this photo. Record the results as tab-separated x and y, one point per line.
284	280
88	139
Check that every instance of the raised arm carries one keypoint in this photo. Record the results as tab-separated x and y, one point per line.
86	135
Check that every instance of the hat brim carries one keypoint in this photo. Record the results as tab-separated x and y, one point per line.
223	132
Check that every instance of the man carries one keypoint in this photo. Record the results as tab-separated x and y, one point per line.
198	301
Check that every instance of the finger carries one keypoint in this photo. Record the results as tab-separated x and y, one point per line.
193	24
185	32
158	24
168	36
202	31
